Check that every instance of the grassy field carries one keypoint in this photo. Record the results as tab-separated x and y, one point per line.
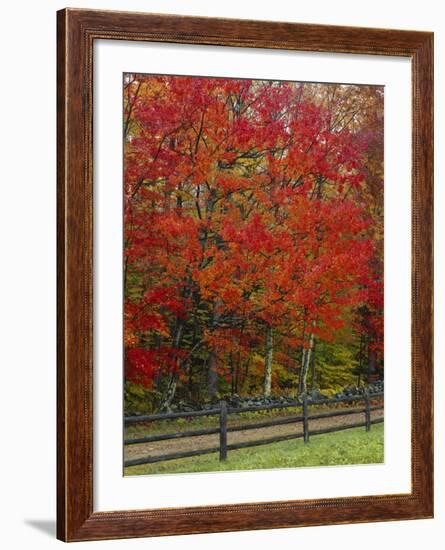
353	446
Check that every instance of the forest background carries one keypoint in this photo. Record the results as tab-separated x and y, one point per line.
253	239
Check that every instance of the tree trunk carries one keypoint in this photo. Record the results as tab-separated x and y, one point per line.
169	394
212	374
306	361
314	369
371	366
268	362
303	363
212	378
360	361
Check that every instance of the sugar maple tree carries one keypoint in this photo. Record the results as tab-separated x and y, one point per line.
253	220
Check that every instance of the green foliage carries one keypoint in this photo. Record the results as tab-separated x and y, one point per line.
336	364
139	400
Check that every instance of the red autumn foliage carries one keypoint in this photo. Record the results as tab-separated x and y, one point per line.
247	204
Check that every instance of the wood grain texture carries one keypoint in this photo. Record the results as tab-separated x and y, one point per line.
77	30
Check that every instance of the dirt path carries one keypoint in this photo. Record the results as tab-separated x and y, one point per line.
206	441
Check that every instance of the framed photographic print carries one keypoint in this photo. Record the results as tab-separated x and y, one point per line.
244	275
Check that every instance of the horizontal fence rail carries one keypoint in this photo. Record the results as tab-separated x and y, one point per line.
167	416
223	411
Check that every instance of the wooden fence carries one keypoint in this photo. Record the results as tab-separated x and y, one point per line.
223	411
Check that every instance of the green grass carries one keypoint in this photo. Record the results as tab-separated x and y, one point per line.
353	446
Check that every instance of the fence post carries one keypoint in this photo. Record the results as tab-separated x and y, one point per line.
222	430
305	419
367	411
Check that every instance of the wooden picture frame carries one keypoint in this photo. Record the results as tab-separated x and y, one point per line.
77	31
